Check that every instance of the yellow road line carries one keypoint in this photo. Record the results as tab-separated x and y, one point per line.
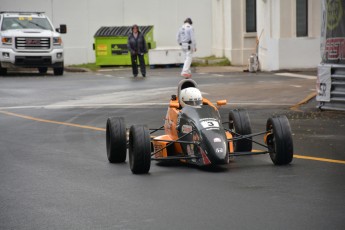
102	129
312	158
304	101
53	122
319	159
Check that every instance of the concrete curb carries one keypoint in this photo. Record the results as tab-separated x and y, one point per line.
220	69
76	69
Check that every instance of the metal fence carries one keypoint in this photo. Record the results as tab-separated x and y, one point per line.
337	93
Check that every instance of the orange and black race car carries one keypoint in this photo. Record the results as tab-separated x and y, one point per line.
195	134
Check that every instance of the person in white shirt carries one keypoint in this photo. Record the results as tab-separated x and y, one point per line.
186	39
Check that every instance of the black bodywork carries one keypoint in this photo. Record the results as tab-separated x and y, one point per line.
204	127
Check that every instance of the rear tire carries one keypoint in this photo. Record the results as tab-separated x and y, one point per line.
139	149
239	123
43	70
116	139
279	141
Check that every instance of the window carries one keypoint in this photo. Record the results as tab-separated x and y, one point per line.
250	15
302	18
12	23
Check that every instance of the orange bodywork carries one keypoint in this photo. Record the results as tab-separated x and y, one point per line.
170	132
158	144
231	145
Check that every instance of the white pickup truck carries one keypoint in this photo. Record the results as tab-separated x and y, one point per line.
29	40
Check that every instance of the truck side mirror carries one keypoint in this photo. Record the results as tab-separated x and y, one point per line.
62	29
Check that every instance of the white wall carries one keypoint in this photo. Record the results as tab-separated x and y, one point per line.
229	33
85	17
279	48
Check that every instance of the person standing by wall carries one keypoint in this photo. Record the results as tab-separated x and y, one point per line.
186	39
137	46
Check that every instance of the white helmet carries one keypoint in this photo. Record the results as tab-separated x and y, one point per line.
191	96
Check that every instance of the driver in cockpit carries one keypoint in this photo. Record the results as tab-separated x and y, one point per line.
190	96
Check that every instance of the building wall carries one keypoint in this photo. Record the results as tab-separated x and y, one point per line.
230	38
279	47
218	31
85	17
219	26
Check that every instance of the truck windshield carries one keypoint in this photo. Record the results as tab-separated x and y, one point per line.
14	23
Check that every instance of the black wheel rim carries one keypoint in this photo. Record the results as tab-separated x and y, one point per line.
131	149
233	130
271	142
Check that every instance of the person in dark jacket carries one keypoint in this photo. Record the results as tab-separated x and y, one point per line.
137	46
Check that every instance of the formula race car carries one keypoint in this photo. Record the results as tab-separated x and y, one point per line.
194	133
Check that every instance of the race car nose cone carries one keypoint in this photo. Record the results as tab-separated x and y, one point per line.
216	148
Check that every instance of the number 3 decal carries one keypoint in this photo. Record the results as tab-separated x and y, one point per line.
210	124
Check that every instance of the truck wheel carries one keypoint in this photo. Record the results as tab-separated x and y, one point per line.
58	71
43	70
3	71
116	139
279	140
239	123
139	149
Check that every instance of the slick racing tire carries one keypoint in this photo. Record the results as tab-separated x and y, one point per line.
279	140
139	149
116	139
239	124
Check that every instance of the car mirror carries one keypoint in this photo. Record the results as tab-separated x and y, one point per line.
221	102
62	29
174	104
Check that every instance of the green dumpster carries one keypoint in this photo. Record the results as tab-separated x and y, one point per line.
111	44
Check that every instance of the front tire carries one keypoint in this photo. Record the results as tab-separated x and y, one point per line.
139	149
116	139
58	71
42	70
239	124
279	140
3	71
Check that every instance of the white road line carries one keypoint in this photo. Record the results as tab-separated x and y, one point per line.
296	75
218	75
259	103
296	86
204	93
99	105
61	106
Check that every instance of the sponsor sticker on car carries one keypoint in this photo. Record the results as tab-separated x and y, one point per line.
187	128
217	140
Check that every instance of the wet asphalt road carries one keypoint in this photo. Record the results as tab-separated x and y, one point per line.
56	176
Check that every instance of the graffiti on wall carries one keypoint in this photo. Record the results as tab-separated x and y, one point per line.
333	31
